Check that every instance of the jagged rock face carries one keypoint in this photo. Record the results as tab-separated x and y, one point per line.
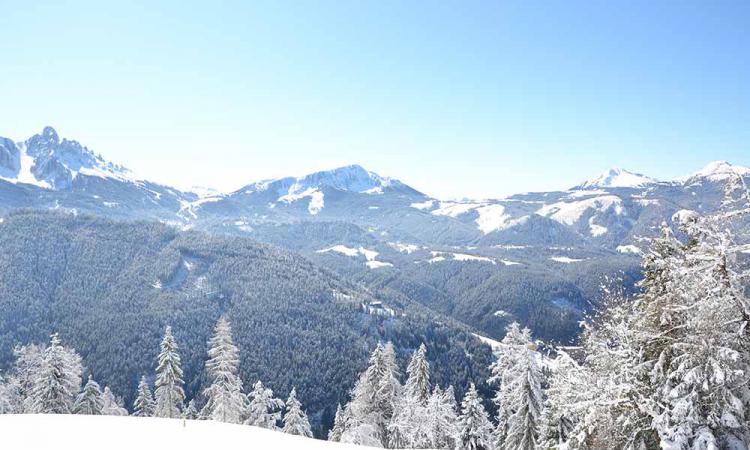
58	162
10	158
47	172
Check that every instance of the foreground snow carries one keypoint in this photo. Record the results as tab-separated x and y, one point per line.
64	432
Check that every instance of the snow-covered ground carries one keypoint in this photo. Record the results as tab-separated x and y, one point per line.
63	432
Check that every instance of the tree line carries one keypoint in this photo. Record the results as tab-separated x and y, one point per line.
47	380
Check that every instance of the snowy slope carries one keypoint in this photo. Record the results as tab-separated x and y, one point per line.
717	171
63	432
616	177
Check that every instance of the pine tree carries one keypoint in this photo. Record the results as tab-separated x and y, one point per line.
701	375
441	419
262	409
191	412
519	397
54	387
111	406
169	393
373	400
334	434
388	390
29	361
408	426
224	395
6	397
418	382
562	404
144	404
474	427
295	420
90	400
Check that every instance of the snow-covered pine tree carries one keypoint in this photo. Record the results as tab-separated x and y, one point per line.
262	409
295	419
612	399
388	390
28	364
57	381
112	405
474	427
418	382
5	406
563	402
191	412
441	419
334	434
90	400
373	399
408	426
703	385
519	397
169	392
224	395
144	404
11	401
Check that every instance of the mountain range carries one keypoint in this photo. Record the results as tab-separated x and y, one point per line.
540	257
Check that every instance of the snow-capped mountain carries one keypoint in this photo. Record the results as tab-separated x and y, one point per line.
46	161
609	210
48	172
616	177
353	178
312	189
717	171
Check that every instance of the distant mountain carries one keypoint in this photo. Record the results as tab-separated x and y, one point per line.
615	177
47	172
46	161
717	171
384	233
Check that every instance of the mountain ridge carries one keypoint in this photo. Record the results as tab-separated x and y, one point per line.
51	155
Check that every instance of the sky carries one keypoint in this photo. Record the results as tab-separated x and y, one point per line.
456	98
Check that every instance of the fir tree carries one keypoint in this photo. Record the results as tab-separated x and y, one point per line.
90	400
111	406
144	404
388	389
441	419
373	400
54	387
408	426
519	397
6	396
418	382
562	404
334	434
224	395
262	409
474	427
29	360
169	393
191	412
295	420
703	374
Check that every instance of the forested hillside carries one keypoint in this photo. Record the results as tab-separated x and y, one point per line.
109	289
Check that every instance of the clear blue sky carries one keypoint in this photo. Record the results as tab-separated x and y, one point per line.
461	98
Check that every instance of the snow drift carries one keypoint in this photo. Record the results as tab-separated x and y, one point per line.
78	432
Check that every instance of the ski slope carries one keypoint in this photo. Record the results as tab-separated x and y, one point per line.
74	432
